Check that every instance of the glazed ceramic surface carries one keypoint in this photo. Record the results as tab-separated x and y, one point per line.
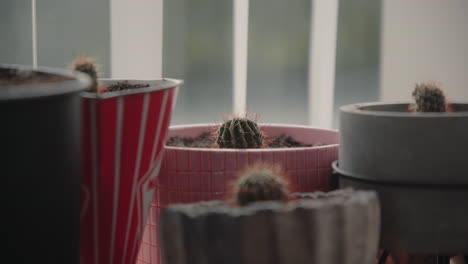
193	174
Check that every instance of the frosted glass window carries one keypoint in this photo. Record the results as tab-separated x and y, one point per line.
68	28
358	53
198	48
278	60
15	29
65	29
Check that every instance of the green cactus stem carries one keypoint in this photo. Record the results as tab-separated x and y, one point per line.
87	64
429	98
239	132
260	183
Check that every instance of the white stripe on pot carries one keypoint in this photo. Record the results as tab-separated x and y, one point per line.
118	146
322	51
153	172
86	197
141	195
93	119
160	120
152	165
141	139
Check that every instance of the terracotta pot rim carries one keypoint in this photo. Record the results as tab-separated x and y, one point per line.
285	126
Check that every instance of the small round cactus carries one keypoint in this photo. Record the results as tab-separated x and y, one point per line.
260	183
429	98
239	132
86	64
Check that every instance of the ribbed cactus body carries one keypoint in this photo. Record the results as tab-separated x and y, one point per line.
239	133
86	64
429	98
260	183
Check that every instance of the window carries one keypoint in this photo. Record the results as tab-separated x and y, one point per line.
382	48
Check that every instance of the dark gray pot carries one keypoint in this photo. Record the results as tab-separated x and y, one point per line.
41	164
342	228
416	163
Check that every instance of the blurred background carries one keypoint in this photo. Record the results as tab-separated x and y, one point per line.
383	48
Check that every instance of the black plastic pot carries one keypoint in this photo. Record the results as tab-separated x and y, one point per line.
41	163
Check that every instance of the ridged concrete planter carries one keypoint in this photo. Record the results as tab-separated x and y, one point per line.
123	145
40	115
417	164
191	175
335	230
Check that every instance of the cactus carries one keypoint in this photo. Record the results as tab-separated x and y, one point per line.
239	132
260	183
86	64
429	98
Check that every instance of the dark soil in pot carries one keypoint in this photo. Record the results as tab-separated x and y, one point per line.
202	141
21	77
206	140
124	85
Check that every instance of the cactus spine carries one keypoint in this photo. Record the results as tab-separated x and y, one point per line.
260	183
429	98
86	64
239	132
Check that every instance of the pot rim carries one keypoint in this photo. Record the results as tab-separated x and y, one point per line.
155	85
328	199
212	125
79	82
358	109
415	185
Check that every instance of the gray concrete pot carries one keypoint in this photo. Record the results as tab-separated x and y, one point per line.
340	229
416	163
383	142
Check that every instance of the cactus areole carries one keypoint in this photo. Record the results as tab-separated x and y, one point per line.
239	133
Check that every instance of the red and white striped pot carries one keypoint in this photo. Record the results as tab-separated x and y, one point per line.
190	175
123	137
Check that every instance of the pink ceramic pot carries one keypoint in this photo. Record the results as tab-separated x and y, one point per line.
191	175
